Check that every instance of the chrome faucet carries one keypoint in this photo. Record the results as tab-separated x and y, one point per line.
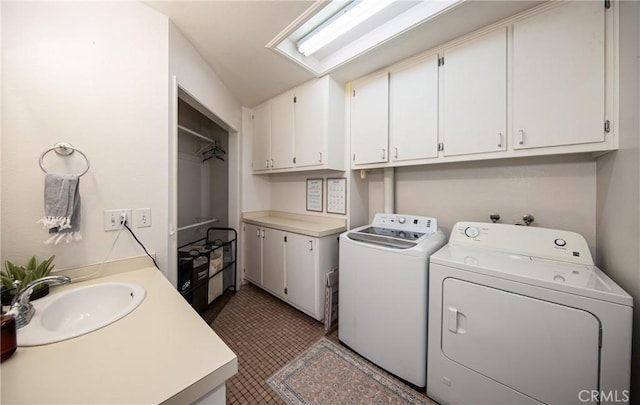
21	308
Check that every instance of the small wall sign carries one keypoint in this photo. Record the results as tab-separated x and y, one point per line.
314	194
337	196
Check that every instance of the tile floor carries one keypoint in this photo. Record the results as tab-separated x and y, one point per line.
266	334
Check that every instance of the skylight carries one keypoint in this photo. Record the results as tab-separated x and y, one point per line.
332	33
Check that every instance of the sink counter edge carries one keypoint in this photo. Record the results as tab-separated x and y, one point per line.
161	350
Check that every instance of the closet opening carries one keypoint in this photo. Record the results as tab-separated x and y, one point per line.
202	237
203	174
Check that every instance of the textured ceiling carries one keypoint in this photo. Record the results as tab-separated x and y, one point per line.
231	36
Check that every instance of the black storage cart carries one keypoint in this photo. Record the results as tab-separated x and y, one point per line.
195	272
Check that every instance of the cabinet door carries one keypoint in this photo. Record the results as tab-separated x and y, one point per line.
370	120
311	123
413	111
273	261
261	145
301	253
559	76
253	253
282	131
474	95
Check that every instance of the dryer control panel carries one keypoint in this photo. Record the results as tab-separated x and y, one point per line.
532	241
411	223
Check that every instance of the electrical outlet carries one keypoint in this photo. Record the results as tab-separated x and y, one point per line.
112	218
142	217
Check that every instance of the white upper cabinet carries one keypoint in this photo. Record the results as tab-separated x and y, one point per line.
319	124
370	120
273	124
413	110
305	126
261	146
474	95
559	76
538	83
310	110
282	124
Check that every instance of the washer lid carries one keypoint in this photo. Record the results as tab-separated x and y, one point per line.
395	231
578	279
392	233
388	241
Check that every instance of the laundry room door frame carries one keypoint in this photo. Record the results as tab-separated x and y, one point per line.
232	155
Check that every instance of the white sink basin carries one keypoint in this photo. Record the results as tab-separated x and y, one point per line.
79	311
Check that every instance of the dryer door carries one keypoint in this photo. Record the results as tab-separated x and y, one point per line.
542	349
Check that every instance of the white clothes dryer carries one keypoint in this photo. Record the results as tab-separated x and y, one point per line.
382	293
520	315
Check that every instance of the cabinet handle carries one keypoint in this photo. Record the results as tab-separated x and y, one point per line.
521	132
320	157
383	153
262	234
258	232
311	245
266	163
271	163
499	139
396	155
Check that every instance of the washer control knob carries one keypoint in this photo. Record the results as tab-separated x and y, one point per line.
558	278
472	231
560	242
402	220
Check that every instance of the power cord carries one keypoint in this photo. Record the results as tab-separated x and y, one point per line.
98	271
140	243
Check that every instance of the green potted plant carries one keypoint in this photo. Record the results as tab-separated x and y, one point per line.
24	275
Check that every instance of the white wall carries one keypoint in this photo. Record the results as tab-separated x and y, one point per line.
200	81
93	74
558	191
289	192
618	179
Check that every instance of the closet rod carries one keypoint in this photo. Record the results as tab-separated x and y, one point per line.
197	135
182	228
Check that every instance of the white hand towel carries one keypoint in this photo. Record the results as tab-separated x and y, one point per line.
61	208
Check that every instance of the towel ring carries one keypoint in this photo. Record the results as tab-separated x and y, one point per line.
63	149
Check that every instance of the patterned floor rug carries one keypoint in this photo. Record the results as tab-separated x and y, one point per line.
329	374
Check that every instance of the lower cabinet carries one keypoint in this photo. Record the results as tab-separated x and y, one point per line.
273	254
253	258
291	266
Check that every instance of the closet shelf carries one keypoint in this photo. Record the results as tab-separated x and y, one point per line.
194	133
197	224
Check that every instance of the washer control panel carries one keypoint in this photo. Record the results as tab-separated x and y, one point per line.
406	222
525	240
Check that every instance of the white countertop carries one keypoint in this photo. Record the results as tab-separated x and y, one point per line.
163	351
309	225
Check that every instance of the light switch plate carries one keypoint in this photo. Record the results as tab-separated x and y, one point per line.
142	217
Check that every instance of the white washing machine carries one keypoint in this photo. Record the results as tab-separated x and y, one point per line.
520	315
382	294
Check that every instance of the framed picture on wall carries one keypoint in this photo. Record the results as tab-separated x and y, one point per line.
337	196
314	194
